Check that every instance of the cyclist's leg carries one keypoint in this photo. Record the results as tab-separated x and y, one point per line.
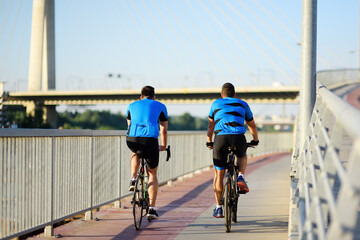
242	164
152	161
241	146
239	141
135	164
134	146
152	186
219	159
218	185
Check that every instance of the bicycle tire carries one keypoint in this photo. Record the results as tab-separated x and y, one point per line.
235	197
138	199
227	204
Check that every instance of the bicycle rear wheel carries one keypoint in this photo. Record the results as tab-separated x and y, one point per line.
227	204
235	197
138	199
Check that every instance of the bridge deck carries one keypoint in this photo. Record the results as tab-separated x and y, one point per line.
185	210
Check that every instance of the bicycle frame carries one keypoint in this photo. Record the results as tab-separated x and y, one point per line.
143	202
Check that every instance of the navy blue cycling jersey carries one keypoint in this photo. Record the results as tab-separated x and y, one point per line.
144	116
229	115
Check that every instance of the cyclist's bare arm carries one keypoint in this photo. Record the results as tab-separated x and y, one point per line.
128	122
163	135
210	131
252	127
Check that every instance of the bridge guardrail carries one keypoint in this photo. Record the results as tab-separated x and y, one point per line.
325	198
50	175
338	77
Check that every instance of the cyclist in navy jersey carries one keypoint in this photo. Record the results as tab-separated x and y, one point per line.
147	119
226	119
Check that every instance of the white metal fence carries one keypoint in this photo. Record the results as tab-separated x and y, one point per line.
338	77
325	194
49	175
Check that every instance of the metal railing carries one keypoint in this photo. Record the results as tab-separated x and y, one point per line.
325	197
338	77
47	176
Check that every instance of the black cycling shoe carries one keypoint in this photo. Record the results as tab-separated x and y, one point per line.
152	214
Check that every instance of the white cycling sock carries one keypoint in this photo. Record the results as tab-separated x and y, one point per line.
219	206
242	175
153	208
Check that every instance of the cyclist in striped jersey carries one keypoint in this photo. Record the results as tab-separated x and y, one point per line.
226	119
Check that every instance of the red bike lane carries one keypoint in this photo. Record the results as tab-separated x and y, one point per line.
178	206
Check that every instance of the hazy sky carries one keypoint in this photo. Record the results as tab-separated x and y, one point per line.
183	43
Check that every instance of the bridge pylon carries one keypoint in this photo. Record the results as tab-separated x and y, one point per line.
42	55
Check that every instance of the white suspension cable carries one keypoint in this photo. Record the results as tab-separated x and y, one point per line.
290	32
290	20
196	41
165	35
287	60
25	24
213	47
5	56
267	26
1	6
151	34
189	50
6	19
247	37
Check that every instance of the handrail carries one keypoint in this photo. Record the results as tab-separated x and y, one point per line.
325	196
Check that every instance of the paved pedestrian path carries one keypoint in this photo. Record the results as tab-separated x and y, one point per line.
185	209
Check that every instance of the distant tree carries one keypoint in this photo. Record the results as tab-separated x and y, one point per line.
104	120
187	122
97	120
17	114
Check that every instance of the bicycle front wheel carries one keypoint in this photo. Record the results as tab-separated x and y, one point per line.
227	204
138	199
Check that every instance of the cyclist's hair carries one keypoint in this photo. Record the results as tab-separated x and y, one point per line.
148	92
228	90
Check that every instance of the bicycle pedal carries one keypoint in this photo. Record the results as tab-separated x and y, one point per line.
242	192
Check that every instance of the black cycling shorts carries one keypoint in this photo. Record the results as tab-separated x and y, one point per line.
149	148
222	142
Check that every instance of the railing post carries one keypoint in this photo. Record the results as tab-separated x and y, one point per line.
308	64
88	214
49	230
117	203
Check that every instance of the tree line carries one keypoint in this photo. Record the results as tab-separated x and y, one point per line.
96	120
106	120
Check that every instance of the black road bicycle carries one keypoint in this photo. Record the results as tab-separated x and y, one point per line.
140	200
231	191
